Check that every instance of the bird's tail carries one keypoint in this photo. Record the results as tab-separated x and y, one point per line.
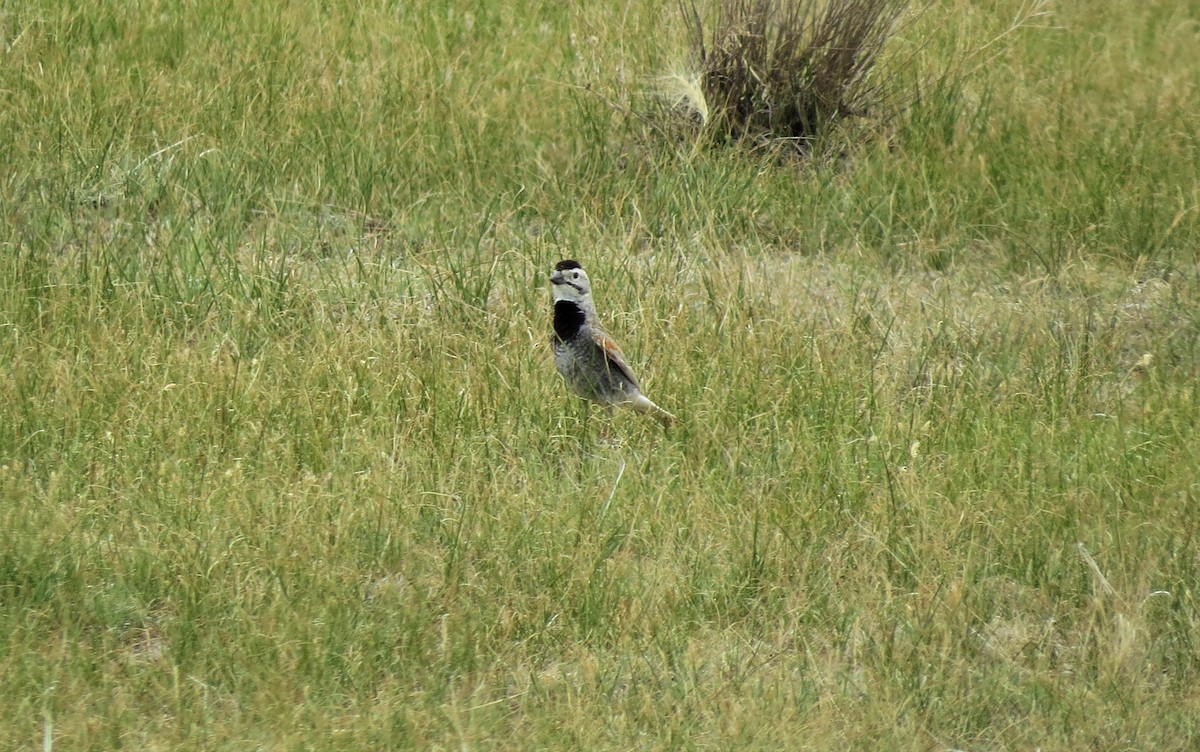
643	404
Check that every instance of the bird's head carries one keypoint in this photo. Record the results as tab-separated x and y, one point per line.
570	282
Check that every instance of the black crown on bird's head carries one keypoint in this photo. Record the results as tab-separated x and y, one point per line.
566	264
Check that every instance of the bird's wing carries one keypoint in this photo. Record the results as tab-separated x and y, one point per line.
614	358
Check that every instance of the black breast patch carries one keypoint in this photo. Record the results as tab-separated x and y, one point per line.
568	319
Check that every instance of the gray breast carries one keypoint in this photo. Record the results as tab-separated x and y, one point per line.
588	372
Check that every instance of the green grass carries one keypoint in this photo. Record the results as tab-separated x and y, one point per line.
284	463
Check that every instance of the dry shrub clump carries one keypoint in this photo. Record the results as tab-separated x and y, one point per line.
773	71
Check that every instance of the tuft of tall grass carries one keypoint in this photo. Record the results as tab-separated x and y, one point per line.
772	71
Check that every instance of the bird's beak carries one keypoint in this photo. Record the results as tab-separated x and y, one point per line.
557	278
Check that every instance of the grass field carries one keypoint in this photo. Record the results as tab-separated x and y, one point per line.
285	464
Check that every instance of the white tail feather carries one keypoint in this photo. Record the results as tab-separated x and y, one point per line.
643	404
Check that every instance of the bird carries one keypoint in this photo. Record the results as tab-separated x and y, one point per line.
588	359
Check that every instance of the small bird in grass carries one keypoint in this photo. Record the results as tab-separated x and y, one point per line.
585	355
